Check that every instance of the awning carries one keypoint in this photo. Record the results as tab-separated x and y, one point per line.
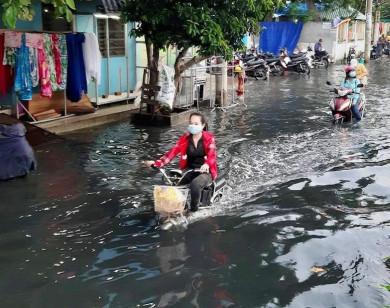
113	6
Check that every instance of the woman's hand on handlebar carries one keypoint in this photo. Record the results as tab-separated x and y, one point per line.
205	168
149	163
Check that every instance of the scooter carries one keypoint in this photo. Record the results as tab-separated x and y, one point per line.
171	214
351	54
341	104
257	68
317	61
298	65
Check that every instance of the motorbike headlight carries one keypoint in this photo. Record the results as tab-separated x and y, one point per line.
345	105
342	92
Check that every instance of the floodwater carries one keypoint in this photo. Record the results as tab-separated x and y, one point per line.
80	231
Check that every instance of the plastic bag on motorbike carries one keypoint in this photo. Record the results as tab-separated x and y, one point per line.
169	199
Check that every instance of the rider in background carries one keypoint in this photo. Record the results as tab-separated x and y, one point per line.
197	151
350	81
361	71
318	49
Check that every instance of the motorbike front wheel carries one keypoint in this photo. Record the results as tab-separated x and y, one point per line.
259	73
277	70
325	63
304	68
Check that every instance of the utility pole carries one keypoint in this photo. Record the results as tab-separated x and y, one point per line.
367	47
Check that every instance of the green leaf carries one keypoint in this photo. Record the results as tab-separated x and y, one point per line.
69	15
25	2
70	3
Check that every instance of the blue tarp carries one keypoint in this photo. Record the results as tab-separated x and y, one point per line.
16	155
280	34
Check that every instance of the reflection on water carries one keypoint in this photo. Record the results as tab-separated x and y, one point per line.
80	231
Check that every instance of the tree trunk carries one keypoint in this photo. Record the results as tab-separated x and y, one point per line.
153	55
313	10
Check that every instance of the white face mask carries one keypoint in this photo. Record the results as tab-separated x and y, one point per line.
352	74
195	129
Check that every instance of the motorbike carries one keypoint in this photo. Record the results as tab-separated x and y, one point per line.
296	64
169	213
317	61
351	54
341	104
273	62
373	52
257	68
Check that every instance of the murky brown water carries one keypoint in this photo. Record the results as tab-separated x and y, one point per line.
80	231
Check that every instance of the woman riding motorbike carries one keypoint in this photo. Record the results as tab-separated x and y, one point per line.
197	151
350	81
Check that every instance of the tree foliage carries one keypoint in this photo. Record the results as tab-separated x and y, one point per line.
384	7
330	5
215	27
21	9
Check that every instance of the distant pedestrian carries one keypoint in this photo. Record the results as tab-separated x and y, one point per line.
381	45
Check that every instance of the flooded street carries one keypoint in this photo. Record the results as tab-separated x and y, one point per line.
80	231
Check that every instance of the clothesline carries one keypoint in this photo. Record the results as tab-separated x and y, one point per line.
53	61
36	31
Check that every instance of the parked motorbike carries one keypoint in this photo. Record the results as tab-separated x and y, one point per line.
240	59
256	68
373	52
296	64
341	104
351	54
170	210
273	62
318	62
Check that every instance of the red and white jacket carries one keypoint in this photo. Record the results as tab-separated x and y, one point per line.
181	147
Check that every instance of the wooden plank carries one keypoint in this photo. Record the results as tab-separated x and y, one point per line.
40	104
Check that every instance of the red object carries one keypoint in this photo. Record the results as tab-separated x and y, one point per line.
241	80
181	147
380	28
57	58
349	68
6	72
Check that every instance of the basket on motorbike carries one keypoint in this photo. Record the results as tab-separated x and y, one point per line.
170	199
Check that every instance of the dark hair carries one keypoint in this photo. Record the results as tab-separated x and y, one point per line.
202	119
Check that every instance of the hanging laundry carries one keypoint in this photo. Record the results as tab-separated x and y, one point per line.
34	40
48	47
13	39
34	71
92	57
64	60
57	60
23	84
44	74
9	56
6	74
77	81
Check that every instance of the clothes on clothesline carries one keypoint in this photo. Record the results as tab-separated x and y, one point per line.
53	61
77	81
13	39
6	72
92	57
23	83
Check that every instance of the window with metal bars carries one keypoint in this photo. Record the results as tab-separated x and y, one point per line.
116	37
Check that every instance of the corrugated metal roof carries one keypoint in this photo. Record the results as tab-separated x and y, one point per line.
112	6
